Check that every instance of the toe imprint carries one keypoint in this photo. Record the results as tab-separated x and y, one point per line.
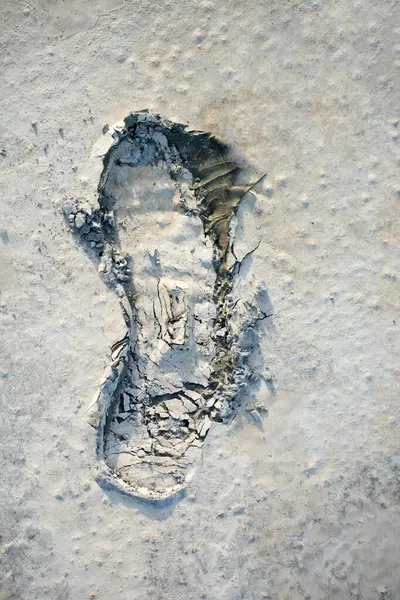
163	234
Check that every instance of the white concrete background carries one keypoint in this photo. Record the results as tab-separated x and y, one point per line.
307	91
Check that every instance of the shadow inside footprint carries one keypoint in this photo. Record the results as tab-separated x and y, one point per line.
163	233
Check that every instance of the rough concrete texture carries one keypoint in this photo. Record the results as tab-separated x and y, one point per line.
302	503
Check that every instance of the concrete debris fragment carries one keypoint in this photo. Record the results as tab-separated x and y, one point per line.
203	427
190	406
79	220
161	412
195	396
127	401
176	408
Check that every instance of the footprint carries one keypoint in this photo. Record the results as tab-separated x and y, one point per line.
163	233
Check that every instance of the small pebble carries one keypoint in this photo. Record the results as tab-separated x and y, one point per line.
80	220
199	36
